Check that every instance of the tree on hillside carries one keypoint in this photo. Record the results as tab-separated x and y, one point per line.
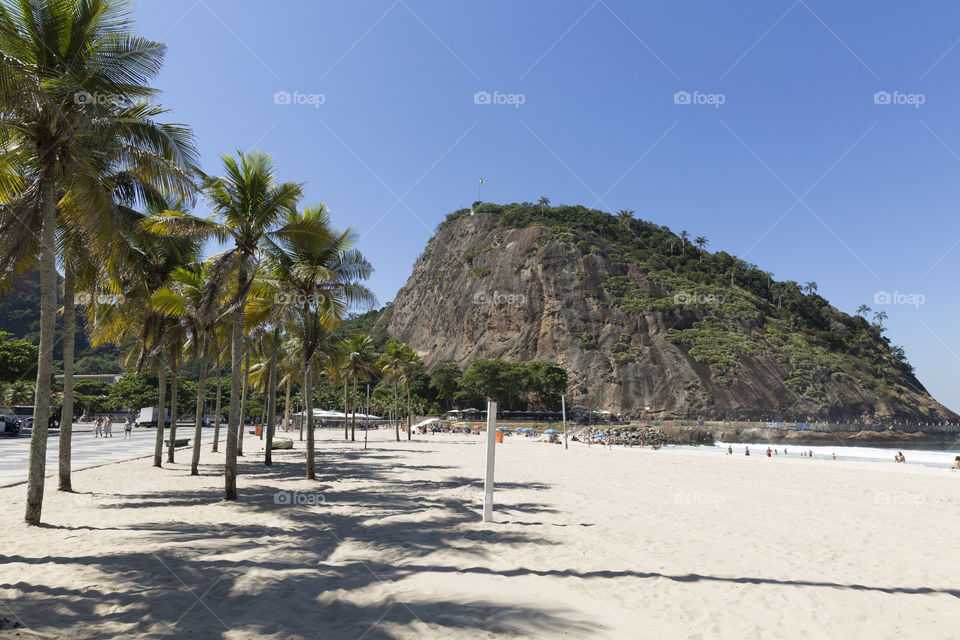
879	317
863	310
684	236
18	358
810	288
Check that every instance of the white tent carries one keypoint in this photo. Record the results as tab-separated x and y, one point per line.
426	422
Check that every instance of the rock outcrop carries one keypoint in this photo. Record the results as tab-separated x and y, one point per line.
483	290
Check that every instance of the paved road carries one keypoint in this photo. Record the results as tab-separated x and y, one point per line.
88	451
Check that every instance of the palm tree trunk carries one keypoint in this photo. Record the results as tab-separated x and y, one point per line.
161	419
243	399
353	418
346	407
66	412
236	357
396	409
286	404
271	417
48	311
173	410
308	408
409	414
216	418
198	421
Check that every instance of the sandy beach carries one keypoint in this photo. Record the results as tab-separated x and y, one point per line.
587	543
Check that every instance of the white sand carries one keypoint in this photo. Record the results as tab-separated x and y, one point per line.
588	543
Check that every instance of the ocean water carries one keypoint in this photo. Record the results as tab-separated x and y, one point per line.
940	459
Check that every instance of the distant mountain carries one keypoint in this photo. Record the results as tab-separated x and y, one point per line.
20	315
641	317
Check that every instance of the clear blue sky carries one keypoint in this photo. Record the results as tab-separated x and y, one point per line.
799	170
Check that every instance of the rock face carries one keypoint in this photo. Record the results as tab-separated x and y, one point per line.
522	294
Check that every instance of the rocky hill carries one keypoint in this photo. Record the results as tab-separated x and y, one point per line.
642	318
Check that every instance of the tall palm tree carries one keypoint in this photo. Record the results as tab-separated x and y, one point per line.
55	146
879	317
863	310
810	288
391	363
684	236
193	296
361	364
544	202
247	202
410	367
625	216
322	273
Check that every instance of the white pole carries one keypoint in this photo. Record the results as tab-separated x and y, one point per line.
491	450
563	407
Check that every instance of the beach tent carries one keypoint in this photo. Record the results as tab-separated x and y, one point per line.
550	431
503	428
425	423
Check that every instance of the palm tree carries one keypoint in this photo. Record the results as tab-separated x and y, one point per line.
544	202
55	148
701	242
879	317
391	363
361	363
322	272
863	310
810	288
248	202
193	296
684	236
410	367
625	216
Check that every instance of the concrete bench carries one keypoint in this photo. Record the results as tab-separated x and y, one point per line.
179	442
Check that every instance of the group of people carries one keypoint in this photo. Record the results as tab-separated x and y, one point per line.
773	452
103	427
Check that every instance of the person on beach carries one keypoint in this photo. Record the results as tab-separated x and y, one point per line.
746	451
128	429
834	456
956	463
899	457
108	427
729	449
769	452
784	451
810	453
98	428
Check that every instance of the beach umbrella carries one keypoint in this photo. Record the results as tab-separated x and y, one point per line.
550	431
503	428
